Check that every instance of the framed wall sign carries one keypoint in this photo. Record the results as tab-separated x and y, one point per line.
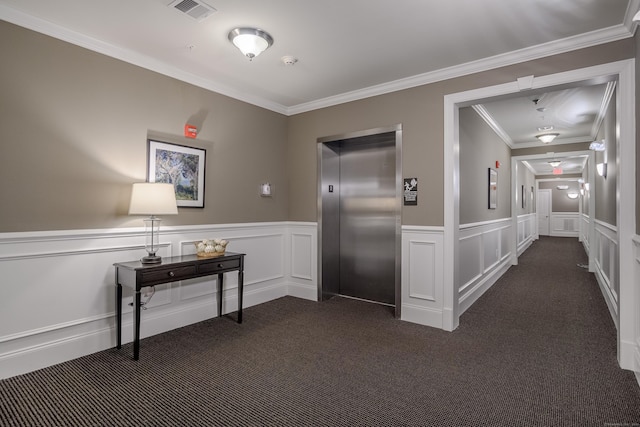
410	191
181	166
493	188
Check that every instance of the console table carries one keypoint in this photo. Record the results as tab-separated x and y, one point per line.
137	276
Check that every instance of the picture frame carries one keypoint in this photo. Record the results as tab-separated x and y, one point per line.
493	188
524	197
182	166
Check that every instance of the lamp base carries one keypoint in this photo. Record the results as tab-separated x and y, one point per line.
151	259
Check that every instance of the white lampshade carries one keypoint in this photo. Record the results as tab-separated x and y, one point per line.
251	41
153	198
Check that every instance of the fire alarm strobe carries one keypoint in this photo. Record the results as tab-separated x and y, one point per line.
190	131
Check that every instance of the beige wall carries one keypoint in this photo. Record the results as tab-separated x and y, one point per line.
420	110
527	179
73	132
480	148
560	202
605	188
74	125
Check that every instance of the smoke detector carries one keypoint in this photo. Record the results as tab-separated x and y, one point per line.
197	10
289	60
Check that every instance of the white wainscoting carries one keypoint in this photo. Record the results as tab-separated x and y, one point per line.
606	263
57	294
422	275
565	224
527	228
485	253
584	232
636	306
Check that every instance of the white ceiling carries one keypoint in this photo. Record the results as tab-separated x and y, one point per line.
353	49
346	49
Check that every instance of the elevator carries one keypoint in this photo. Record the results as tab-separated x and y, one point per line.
359	208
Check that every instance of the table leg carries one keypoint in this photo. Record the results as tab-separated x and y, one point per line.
240	286
118	313
220	285
136	339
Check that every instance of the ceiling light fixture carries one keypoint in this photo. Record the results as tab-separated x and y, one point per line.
251	41
547	137
562	187
572	195
555	163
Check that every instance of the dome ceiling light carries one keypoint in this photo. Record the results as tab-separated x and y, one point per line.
251	41
547	137
554	163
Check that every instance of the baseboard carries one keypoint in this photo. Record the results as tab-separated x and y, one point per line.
604	289
53	351
303	291
421	315
481	287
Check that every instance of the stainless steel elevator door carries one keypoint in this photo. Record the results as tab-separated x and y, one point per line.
368	218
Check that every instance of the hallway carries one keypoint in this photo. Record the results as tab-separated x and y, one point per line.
546	320
538	349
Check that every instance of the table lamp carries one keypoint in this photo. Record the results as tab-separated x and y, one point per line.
152	198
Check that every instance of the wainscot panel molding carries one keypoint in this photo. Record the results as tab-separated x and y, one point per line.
57	299
484	257
565	224
527	228
605	256
584	232
422	275
636	342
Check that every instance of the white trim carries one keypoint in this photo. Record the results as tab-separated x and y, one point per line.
493	124
482	223
581	41
280	261
625	70
568	44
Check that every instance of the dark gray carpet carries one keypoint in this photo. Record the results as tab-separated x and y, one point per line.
539	349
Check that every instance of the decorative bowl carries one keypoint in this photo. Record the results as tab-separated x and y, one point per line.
211	248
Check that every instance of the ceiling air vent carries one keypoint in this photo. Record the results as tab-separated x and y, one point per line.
195	9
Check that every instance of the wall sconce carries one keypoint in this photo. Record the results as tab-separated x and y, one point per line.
598	145
152	198
251	41
602	169
572	195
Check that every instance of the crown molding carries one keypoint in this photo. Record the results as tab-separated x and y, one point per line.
491	122
56	31
568	44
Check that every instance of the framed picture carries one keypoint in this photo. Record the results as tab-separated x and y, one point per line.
181	166
493	188
524	197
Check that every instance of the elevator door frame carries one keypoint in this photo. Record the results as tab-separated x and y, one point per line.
324	292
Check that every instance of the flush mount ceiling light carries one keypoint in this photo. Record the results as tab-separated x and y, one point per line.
555	163
598	145
251	41
562	187
547	137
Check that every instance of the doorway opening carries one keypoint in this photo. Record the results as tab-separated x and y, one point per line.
359	208
624	72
